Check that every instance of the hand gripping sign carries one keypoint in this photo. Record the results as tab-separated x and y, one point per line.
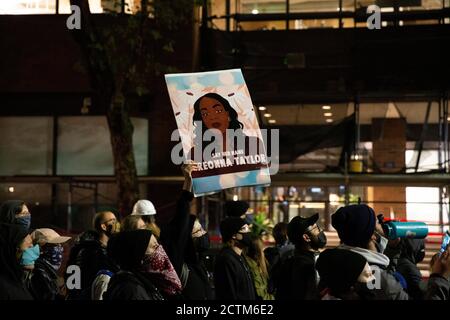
219	130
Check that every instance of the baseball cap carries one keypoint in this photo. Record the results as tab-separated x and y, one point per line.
48	235
298	226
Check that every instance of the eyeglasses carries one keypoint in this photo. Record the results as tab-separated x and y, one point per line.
315	227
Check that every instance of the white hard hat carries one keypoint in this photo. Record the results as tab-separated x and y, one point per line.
144	208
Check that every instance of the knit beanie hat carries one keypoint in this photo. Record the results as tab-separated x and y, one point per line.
354	224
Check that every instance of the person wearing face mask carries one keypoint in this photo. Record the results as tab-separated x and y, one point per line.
14	242
412	252
296	278
42	280
358	229
140	258
238	209
232	276
89	253
158	265
343	275
15	212
186	243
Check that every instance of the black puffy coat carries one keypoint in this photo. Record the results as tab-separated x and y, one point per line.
296	277
91	256
126	285
42	281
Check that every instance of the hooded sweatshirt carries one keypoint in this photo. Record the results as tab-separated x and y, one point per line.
11	286
9	209
412	252
386	286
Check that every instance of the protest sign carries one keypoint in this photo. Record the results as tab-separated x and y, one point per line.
219	130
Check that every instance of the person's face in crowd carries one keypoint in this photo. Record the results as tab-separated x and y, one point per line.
315	237
24	212
361	290
377	242
24	245
109	223
213	114
141	224
23	218
200	237
366	275
150	223
243	237
197	230
152	246
53	254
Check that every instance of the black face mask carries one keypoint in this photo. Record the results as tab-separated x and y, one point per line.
319	241
201	244
420	255
246	239
363	291
109	230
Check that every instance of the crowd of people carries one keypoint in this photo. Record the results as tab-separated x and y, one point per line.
144	261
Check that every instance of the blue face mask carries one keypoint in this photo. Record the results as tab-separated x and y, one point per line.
24	221
30	255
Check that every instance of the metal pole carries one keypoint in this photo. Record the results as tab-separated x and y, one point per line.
441	129
54	166
327	210
358	127
441	210
340	14
446	148
347	181
448	203
96	197
419	144
227	13
287	14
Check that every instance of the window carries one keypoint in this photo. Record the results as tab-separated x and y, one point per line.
26	145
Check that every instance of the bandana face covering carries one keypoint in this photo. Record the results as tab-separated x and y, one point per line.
53	255
159	267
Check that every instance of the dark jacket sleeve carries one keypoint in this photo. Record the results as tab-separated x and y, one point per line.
175	235
390	287
438	288
127	291
42	287
304	280
224	280
413	278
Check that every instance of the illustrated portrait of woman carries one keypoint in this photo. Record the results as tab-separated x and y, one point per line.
216	112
